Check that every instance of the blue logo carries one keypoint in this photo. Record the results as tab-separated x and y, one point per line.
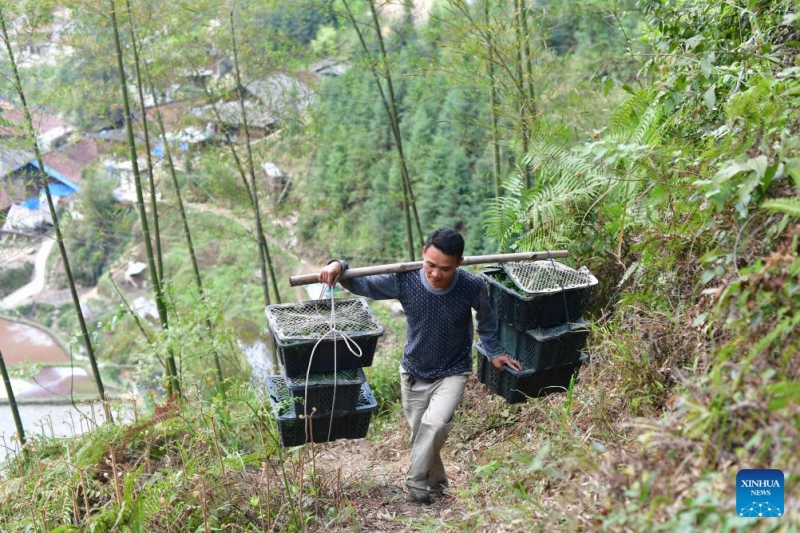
759	493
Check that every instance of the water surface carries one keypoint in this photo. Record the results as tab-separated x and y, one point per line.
24	343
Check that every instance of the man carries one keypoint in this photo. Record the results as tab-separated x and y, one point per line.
438	301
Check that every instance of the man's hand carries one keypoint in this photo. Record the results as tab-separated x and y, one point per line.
505	359
330	274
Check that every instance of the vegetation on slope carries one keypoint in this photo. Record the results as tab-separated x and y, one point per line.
683	202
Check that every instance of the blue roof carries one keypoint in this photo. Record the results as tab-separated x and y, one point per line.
57	176
60	190
56	189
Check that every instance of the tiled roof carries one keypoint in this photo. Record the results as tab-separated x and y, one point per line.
11	159
281	94
174	116
70	161
5	201
11	191
13	123
277	97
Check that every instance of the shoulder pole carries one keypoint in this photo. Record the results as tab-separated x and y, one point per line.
395	268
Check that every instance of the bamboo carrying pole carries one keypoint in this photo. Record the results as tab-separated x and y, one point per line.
394	268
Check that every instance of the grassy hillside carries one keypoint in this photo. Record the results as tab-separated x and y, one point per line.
678	188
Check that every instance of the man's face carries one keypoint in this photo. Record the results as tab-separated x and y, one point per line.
439	267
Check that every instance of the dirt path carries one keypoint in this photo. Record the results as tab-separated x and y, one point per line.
246	223
37	282
371	474
303	266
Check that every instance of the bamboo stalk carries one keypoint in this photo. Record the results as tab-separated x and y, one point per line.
395	120
12	403
390	107
146	131
186	232
493	97
31	134
250	165
522	95
173	384
394	268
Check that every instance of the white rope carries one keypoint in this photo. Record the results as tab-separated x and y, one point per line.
350	343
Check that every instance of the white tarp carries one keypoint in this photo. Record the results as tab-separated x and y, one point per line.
272	171
145	308
122	173
134	269
26	220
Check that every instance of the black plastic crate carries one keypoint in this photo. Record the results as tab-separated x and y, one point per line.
528	311
321	388
517	386
329	355
543	348
297	342
292	428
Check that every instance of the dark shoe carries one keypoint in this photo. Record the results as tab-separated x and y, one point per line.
420	495
441	488
441	491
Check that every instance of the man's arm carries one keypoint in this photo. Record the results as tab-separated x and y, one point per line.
487	332
378	287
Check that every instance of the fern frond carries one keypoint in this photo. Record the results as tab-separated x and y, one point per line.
790	206
555	163
628	115
503	218
639	214
551	201
555	238
543	215
649	126
638	124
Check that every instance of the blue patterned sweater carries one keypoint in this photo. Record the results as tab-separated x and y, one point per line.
439	321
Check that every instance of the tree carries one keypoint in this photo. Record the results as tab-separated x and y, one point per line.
262	242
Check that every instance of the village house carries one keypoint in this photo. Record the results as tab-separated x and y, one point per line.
51	131
64	169
16	152
41	44
181	134
11	162
276	99
67	165
20	188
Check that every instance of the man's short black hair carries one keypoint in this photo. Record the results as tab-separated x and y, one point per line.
449	241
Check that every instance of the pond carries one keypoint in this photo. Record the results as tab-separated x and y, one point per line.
44	390
21	343
48	381
47	420
41	369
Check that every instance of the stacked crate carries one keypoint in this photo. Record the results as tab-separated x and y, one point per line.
538	306
321	393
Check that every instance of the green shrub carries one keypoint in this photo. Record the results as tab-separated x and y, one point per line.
14	278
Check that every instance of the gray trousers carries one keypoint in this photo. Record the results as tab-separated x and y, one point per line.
429	408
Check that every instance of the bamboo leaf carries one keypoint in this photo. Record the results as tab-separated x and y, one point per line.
710	98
